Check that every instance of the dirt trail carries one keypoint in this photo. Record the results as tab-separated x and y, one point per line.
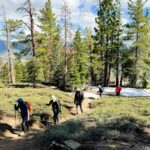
30	140
20	141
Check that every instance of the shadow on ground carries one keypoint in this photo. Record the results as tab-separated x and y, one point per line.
122	133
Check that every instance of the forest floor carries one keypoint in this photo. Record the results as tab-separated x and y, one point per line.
17	140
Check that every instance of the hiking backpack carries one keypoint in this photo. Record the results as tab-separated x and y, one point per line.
28	103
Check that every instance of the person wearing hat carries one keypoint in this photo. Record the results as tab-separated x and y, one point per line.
56	107
24	113
78	99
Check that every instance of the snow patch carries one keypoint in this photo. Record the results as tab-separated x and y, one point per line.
126	91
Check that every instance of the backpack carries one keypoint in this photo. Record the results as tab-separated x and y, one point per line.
28	103
79	96
101	89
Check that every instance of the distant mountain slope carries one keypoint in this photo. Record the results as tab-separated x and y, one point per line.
2	46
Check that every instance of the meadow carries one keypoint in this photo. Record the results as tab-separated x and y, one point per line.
39	97
111	117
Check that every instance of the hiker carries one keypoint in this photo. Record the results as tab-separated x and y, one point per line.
78	99
118	90
24	113
56	107
101	90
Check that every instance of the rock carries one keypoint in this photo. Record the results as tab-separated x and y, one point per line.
68	105
20	133
54	145
1	138
72	144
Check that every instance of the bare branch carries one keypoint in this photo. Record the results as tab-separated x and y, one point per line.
26	25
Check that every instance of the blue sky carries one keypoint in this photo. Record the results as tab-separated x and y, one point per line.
83	12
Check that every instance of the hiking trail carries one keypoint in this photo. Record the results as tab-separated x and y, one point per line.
16	139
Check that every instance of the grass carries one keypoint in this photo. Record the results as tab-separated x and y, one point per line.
110	107
39	97
117	118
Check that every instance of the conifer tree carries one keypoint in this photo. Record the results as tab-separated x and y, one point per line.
50	41
79	48
105	40
138	35
89	46
19	71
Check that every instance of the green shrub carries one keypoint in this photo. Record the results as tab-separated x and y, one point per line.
64	131
1	84
123	124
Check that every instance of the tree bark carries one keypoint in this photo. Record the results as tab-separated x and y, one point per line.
106	64
32	38
10	55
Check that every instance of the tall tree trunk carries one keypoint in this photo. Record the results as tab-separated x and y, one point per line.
93	78
109	73
121	80
106	63
49	53
10	54
66	13
117	69
32	38
65	47
105	69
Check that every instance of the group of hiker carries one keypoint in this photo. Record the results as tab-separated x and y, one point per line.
26	108
117	90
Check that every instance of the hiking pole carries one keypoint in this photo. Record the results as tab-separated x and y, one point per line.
15	114
15	118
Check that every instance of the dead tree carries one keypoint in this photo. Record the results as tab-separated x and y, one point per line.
65	12
10	53
28	10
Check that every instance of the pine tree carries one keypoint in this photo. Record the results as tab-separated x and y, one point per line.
105	41
19	70
89	46
50	41
74	80
5	73
117	40
79	48
138	34
32	70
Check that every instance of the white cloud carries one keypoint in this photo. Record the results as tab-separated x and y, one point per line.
124	3
84	17
124	21
147	4
81	16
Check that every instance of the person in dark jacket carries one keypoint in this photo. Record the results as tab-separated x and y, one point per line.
56	107
24	113
101	90
78	99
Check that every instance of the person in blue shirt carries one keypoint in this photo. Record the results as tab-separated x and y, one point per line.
24	109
